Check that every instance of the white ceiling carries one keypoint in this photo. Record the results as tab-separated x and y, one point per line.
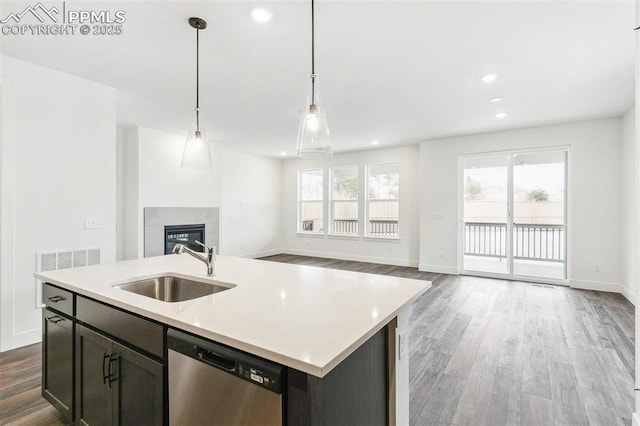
397	71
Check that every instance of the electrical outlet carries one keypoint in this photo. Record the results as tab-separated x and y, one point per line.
93	223
441	255
596	267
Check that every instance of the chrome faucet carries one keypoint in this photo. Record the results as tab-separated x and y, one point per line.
208	257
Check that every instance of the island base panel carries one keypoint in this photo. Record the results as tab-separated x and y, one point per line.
356	392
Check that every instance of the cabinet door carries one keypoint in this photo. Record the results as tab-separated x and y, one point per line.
94	395
138	388
116	385
57	361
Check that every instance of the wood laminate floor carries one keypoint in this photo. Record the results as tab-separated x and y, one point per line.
483	352
496	352
21	402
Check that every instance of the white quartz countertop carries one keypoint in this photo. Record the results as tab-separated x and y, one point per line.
304	317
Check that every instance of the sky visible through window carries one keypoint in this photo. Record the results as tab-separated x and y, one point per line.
384	182
493	181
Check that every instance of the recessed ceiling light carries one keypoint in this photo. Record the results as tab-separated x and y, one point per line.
375	142
261	15
283	154
494	100
501	115
489	78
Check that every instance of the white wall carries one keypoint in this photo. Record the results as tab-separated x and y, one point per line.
400	252
119	194
245	187
131	225
636	237
58	167
251	213
630	211
594	187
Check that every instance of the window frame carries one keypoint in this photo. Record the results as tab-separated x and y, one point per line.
368	200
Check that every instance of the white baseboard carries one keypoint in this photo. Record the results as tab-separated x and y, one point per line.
635	419
355	258
630	296
265	253
438	269
23	339
28	337
597	286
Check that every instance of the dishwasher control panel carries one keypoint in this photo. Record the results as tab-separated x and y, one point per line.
258	371
259	376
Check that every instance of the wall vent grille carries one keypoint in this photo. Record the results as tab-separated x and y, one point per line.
63	259
543	286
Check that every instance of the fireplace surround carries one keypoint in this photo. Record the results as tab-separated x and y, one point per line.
156	219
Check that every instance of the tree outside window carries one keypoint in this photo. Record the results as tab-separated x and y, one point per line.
344	200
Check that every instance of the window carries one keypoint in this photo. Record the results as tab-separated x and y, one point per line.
344	204
343	209
383	188
310	201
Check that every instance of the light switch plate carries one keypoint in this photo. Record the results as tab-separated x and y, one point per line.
401	345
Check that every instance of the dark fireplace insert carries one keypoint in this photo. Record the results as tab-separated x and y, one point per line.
185	235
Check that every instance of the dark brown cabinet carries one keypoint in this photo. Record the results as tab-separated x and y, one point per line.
57	361
101	365
115	384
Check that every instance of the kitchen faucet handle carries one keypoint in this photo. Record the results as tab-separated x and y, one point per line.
203	245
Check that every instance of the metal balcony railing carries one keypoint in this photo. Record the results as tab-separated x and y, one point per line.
376	227
530	241
383	227
345	226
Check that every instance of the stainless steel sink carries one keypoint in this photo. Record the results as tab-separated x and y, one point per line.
174	289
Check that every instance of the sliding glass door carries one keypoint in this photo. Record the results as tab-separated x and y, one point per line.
514	214
539	214
486	208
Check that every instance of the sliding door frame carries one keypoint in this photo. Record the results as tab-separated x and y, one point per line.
509	237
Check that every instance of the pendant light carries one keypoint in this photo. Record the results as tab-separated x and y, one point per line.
313	134
197	152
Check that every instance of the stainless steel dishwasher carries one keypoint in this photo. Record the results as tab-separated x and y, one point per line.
212	384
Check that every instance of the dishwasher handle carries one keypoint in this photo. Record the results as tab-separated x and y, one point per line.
217	360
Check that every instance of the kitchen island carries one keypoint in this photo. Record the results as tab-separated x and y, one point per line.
309	320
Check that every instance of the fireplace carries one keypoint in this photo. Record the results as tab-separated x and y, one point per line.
186	235
159	222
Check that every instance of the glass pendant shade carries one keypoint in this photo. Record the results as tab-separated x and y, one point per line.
313	135
197	151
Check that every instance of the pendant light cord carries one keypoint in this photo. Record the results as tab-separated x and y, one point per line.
198	79
313	58
313	44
